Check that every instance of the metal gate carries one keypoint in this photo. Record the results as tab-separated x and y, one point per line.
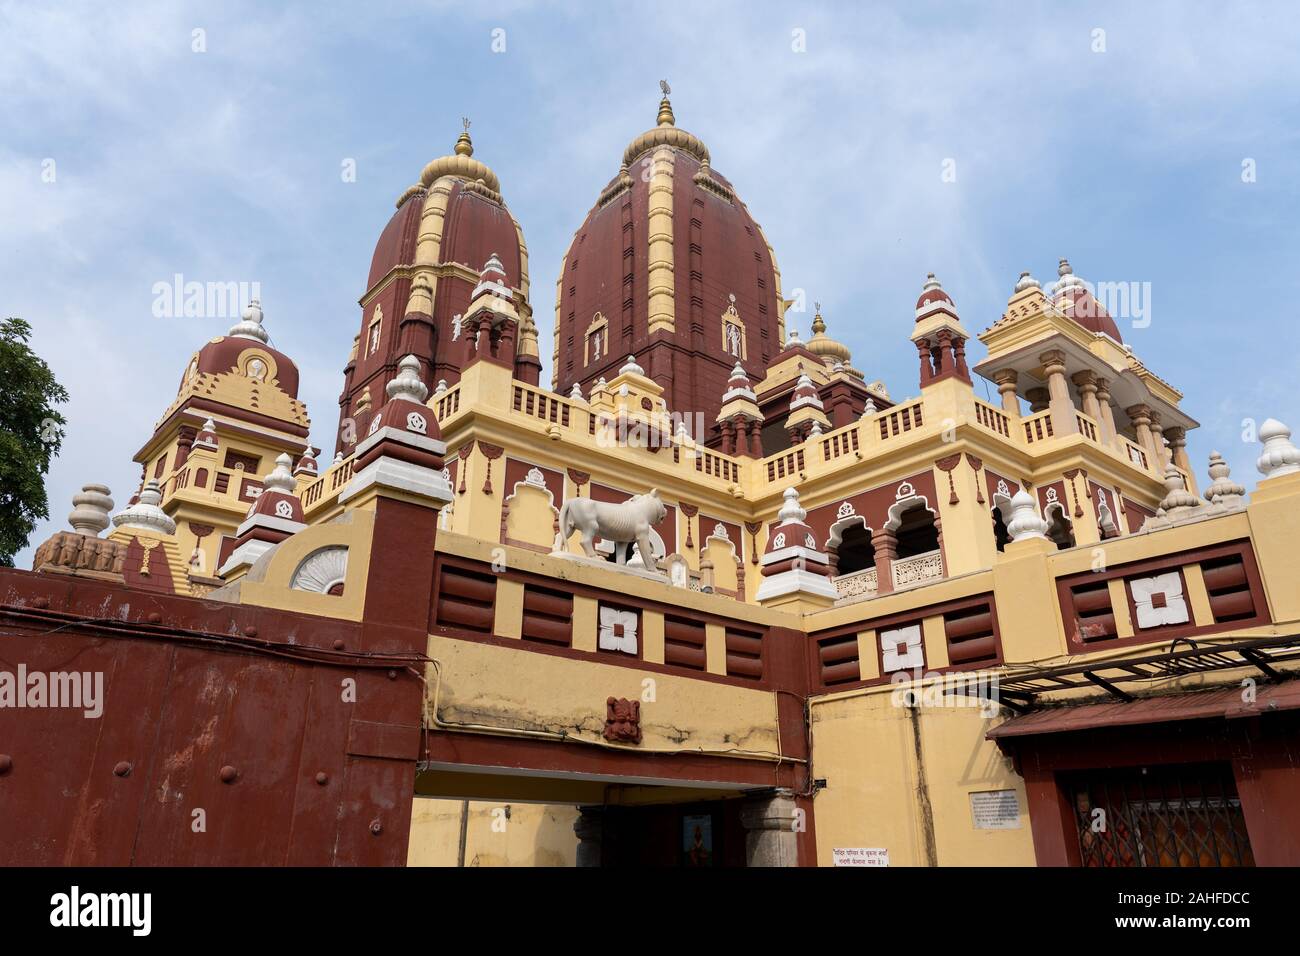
1174	815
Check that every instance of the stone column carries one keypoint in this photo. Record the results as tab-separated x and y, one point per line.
1140	415
959	357
1087	383
1007	379
1106	414
1038	399
728	437
590	830
945	352
1158	443
772	825
1060	403
1177	436
927	366
886	544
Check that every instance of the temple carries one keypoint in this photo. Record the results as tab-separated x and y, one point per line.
925	630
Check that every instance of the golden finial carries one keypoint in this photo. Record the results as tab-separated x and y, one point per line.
464	147
818	323
666	117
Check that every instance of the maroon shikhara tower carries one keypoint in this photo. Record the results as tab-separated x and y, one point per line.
669	267
427	263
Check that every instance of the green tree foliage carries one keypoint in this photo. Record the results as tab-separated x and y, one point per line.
31	434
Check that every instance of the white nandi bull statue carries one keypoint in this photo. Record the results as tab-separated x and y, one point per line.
621	523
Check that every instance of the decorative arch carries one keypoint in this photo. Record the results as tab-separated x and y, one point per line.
1000	513
1060	528
323	571
733	332
374	331
595	343
257	364
529	518
722	553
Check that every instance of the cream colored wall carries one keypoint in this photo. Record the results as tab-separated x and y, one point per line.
531	835
864	745
499	687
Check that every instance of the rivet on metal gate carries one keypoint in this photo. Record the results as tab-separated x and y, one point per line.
322	778
250	631
6	763
228	774
376	827
41	602
338	645
154	618
392	675
123	769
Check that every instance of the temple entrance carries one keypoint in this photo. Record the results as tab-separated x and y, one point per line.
1172	815
479	816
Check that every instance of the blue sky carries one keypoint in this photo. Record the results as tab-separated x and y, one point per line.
225	165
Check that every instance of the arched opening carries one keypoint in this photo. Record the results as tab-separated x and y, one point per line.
916	532
1059	527
1000	512
855	551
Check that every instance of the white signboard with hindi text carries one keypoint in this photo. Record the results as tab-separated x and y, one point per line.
995	810
860	856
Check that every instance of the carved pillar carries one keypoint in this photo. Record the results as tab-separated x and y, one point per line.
1060	403
945	352
728	438
1140	415
1007	379
1177	436
959	358
742	447
927	366
590	830
1158	443
756	439
1038	399
1087	383
772	825
886	544
1106	414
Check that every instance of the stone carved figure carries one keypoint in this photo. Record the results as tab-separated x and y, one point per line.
622	720
625	522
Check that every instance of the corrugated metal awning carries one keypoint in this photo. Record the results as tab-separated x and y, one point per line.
1225	702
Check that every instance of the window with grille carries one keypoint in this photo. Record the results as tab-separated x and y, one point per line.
1185	815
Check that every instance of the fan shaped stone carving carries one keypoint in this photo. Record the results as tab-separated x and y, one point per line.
321	570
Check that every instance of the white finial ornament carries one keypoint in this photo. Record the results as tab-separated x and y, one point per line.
1026	281
145	514
791	510
575	393
1177	498
250	325
1280	456
280	479
1222	490
442	386
338	458
407	385
1025	520
630	367
91	507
